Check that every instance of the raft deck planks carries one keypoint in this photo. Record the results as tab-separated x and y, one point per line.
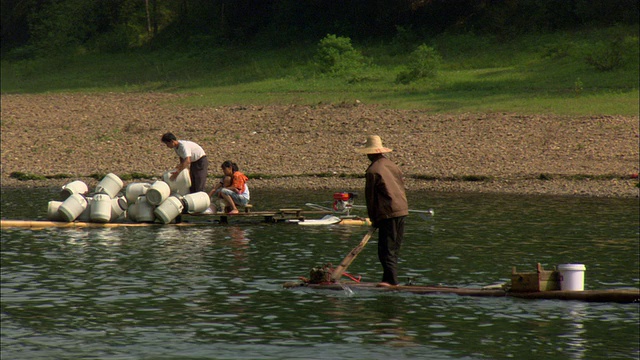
612	295
269	215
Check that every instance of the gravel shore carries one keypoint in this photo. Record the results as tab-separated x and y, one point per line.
312	147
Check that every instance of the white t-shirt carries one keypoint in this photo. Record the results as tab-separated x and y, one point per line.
245	193
190	149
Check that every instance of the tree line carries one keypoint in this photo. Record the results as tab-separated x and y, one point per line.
40	27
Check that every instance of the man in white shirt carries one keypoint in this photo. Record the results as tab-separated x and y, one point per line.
192	157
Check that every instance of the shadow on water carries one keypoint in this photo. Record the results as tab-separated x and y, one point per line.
216	291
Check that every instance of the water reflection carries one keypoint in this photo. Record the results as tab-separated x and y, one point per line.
576	342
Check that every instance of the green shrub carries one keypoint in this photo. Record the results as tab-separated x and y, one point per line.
135	176
336	55
607	56
117	40
59	176
578	86
97	176
60	27
424	63
556	51
404	39
24	176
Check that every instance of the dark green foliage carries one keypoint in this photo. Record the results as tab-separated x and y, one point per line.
556	51
425	177
97	176
474	178
61	26
59	176
70	26
336	55
24	176
404	40
136	176
424	63
115	41
607	56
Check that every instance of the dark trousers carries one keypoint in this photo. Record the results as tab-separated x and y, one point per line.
198	173
390	236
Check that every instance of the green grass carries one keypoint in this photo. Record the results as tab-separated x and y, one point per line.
544	73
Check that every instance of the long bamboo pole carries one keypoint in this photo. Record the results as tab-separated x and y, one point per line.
337	273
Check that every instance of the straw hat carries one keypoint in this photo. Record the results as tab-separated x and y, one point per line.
373	146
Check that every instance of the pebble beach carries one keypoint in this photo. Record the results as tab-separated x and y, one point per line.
65	137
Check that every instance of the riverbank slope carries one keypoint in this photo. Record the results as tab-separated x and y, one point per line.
312	147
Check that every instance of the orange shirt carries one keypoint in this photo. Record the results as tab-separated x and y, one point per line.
238	181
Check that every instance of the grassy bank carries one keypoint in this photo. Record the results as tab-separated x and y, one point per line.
550	73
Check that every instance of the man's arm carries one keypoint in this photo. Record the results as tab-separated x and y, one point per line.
370	197
183	164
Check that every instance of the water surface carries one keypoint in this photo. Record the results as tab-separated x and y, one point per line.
215	291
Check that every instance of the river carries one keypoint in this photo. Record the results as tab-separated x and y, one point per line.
215	291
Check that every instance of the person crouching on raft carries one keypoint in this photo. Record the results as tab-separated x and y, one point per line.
192	157
232	188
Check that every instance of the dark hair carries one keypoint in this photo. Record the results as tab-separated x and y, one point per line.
228	164
168	137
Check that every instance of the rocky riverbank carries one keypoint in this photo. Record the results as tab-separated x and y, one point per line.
312	147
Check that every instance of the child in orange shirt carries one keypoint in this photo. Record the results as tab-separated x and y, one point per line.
232	189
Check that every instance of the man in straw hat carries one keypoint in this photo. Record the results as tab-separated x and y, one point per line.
386	205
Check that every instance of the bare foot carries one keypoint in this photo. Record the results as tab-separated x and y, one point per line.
235	211
384	284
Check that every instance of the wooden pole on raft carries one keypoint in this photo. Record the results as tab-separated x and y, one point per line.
337	273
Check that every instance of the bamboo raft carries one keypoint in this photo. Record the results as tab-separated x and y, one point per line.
40	224
269	215
282	215
612	295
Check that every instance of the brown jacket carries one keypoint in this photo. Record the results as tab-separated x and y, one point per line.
384	191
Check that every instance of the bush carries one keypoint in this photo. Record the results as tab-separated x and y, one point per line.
556	51
336	55
607	57
404	39
117	40
24	176
424	63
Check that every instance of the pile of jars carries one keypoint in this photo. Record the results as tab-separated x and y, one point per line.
163	201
